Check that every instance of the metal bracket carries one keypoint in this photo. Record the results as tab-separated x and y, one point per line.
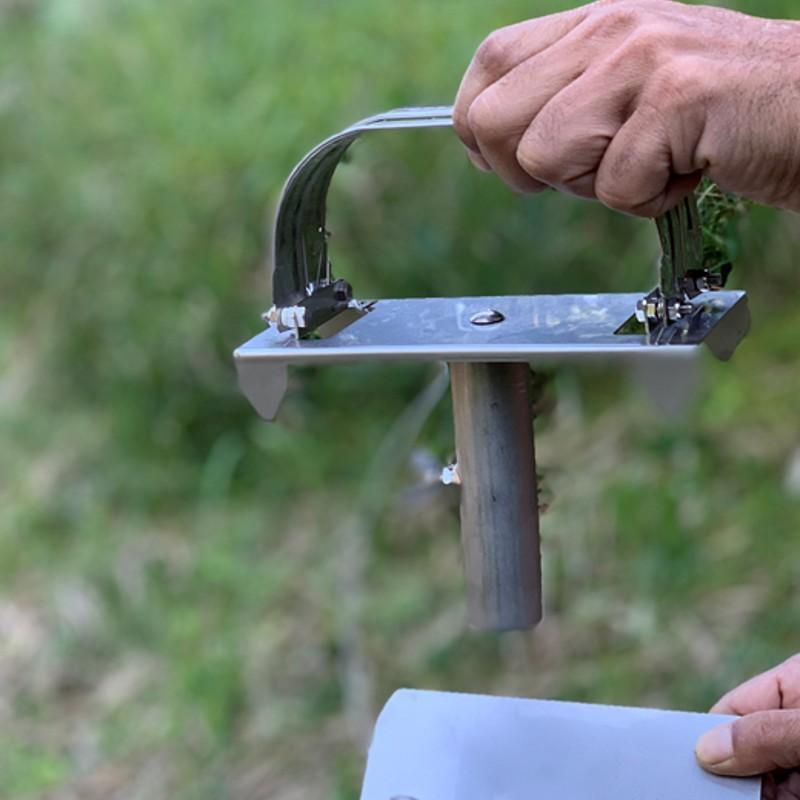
488	342
540	330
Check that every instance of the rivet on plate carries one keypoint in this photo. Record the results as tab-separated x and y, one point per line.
488	317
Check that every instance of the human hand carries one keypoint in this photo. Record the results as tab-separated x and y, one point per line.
766	737
632	101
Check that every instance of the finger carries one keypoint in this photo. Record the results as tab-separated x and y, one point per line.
501	52
478	160
499	116
781	784
641	172
566	141
776	688
752	745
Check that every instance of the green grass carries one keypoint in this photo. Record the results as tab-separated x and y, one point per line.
196	605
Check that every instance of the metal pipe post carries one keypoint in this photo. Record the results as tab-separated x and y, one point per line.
499	498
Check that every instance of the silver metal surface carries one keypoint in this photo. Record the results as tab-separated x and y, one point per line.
541	330
264	384
442	746
499	500
550	328
681	246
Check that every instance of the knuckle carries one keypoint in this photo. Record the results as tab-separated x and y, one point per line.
645	46
617	18
538	161
788	681
492	56
539	150
681	83
482	117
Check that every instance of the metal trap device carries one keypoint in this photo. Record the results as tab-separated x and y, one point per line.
490	345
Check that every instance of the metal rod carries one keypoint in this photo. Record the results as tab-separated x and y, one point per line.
499	498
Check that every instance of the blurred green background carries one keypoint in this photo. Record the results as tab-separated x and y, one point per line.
196	605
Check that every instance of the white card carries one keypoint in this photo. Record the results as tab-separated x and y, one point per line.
444	746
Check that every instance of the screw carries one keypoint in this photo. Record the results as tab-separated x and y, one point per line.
450	476
487	317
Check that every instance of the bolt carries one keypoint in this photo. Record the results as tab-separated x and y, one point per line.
487	317
450	476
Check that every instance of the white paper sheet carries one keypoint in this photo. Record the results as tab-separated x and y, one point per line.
444	746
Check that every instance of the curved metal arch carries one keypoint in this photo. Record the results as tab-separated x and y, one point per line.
301	268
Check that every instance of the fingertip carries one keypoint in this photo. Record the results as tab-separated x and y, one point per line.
531	187
478	160
722	706
714	749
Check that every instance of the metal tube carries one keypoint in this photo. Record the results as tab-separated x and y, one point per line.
499	498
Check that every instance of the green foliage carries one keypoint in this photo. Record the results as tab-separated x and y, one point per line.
195	600
720	212
29	771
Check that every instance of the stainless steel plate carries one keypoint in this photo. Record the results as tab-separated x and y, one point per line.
542	330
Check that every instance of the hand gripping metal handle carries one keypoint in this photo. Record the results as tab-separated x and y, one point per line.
305	293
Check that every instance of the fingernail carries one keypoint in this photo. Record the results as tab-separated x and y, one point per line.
715	746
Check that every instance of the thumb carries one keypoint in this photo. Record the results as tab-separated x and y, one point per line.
752	745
